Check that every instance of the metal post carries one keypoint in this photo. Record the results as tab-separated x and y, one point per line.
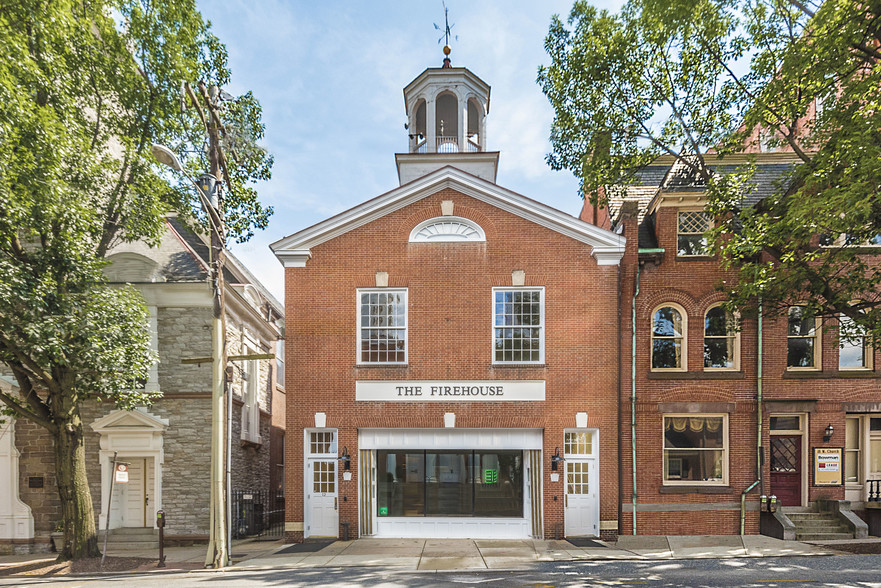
160	522
109	502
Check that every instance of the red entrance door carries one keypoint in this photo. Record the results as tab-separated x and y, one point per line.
786	469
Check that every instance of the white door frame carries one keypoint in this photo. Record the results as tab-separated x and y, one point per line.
130	434
592	459
308	459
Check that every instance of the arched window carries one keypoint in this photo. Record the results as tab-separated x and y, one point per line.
446	229
720	340
447	123
669	325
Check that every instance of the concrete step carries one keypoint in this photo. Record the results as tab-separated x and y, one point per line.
822	536
132	532
131	545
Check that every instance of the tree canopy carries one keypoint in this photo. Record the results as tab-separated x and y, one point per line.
702	79
86	87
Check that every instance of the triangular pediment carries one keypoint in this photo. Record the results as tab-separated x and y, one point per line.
607	247
130	419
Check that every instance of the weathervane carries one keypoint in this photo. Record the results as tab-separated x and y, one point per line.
447	32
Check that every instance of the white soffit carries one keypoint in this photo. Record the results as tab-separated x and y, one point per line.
294	250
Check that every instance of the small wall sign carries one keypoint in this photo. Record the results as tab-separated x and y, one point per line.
828	466
121	473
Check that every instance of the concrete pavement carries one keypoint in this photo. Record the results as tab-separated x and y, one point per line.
465	554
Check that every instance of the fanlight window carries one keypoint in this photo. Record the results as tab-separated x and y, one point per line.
447	229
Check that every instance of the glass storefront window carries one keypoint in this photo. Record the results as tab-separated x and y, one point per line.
449	483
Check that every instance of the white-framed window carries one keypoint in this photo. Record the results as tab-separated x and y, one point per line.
854	352
251	399
669	325
721	340
690	235
445	229
852	451
803	340
578	443
382	320
518	325
696	449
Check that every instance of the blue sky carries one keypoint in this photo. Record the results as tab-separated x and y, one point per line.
330	76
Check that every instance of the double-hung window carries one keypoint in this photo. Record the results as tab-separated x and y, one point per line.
720	340
668	338
382	320
803	344
696	449
853	350
518	325
690	239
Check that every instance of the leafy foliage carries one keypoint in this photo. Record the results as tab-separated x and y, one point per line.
86	87
703	79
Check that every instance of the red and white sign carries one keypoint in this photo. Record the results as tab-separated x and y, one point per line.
121	473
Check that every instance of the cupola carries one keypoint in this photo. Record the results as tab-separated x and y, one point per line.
446	111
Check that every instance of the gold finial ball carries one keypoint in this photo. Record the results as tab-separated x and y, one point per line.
447	49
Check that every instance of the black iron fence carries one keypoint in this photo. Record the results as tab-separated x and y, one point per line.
874	490
257	514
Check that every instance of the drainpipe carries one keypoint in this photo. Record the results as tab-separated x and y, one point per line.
760	453
633	391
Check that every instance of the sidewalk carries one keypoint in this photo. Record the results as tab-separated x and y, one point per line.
462	554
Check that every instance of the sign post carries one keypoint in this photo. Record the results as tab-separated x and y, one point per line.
120	474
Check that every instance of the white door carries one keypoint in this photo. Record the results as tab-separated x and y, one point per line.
581	506
321	499
135	493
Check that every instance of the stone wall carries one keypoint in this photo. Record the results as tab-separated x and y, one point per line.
184	333
38	460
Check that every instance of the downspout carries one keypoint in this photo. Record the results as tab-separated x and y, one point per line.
633	391
759	450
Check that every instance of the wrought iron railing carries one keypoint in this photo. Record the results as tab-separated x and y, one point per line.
874	490
257	514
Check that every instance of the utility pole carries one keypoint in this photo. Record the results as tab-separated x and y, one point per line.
210	185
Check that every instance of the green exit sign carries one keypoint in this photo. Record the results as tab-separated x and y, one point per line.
383	511
490	476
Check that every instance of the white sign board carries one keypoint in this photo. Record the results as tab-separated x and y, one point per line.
121	473
450	391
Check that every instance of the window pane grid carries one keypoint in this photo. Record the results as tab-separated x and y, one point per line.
801	343
691	229
518	325
383	333
324	477
719	341
322	442
578	443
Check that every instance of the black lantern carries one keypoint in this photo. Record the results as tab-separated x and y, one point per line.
827	434
556	459
345	458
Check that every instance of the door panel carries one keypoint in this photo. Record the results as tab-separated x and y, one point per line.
786	470
321	499
581	504
134	494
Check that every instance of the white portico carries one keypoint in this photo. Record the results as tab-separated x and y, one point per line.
137	437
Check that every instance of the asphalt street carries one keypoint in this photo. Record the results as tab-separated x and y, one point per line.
848	570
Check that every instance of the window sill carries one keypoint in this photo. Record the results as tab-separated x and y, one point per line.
695	258
255	443
373	366
821	374
696	489
519	365
732	375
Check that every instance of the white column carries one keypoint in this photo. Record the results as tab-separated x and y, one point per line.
482	127
430	122
463	121
16	520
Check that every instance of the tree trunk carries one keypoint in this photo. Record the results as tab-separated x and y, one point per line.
80	535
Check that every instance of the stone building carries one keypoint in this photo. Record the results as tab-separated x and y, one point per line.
167	445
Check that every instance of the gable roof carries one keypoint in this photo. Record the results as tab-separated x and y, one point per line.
294	250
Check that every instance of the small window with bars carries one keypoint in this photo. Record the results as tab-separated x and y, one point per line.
382	319
518	326
690	239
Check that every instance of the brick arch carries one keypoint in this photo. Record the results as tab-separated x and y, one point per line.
864	393
646	305
707	300
697	394
431	209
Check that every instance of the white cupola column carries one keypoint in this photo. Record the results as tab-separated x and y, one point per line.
463	122
430	131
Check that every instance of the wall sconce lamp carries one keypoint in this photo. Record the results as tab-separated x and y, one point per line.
556	459
347	461
827	434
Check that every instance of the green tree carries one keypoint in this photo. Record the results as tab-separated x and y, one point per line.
85	88
701	79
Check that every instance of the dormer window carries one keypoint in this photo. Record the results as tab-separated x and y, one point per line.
690	239
445	229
